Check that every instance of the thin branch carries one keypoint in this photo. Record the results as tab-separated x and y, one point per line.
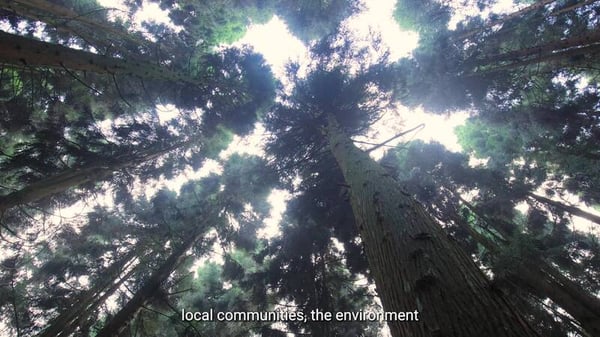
420	126
370	143
80	80
119	90
189	324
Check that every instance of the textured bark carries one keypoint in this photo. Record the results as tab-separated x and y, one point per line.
567	208
414	263
544	281
74	177
147	292
21	51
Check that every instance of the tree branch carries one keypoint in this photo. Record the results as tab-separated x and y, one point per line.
420	126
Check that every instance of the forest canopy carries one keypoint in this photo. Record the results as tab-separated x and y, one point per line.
162	175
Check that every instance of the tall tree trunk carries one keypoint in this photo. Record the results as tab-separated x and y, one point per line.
63	325
544	281
65	19
567	208
538	52
64	181
549	282
147	292
21	51
414	263
573	57
534	6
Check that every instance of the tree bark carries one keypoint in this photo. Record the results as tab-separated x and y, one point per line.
74	177
544	281
413	262
21	51
567	208
124	316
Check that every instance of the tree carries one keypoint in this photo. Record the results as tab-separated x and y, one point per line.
248	73
395	230
84	19
490	60
522	254
198	209
79	312
70	129
310	273
551	129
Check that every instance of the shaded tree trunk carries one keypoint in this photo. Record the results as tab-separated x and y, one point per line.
69	320
413	262
74	177
538	52
567	208
65	19
148	291
534	6
544	281
573	57
21	51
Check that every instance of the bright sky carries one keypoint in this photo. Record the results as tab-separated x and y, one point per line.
278	46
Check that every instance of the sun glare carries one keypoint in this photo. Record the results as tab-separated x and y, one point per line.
275	42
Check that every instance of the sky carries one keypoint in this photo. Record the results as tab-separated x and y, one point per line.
278	46
275	42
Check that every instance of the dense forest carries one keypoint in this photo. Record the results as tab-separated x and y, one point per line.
116	220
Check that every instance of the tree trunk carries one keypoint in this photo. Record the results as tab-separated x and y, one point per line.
63	324
544	281
74	177
82	317
52	185
65	19
534	6
21	51
549	48
413	262
150	288
572	7
539	279
567	208
574	57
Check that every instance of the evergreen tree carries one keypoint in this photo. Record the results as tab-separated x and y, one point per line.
520	249
453	69
395	230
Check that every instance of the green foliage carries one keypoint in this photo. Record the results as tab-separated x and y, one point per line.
313	19
425	17
534	103
500	145
218	142
12	85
